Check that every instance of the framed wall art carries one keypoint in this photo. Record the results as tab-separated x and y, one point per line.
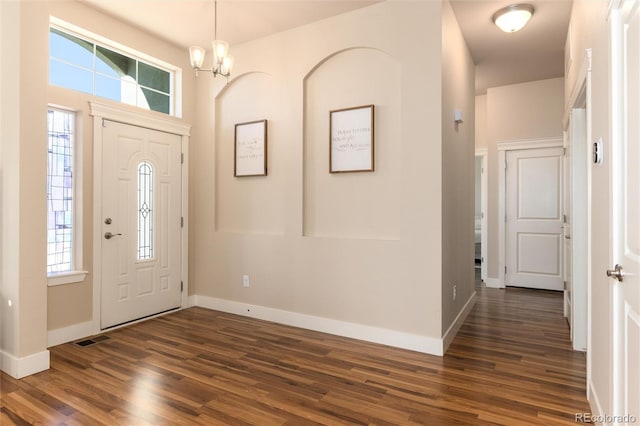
351	139
250	149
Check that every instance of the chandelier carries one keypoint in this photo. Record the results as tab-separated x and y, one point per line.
222	61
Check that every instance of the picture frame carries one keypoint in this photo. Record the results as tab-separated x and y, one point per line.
250	149
352	139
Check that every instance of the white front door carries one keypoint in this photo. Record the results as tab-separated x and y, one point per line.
141	221
625	190
534	218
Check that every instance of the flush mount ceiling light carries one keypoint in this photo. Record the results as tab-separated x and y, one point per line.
222	61
513	18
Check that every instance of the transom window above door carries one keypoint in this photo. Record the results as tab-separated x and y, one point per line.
79	62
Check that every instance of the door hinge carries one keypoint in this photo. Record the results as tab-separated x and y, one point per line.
564	218
505	270
564	285
182	158
182	222
104	123
482	260
181	286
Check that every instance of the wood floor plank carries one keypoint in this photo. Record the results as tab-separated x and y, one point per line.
510	364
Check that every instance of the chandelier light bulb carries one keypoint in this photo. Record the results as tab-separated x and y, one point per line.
196	54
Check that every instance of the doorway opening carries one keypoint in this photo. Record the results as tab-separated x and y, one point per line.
480	219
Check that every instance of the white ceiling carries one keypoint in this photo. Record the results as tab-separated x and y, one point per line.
534	53
190	22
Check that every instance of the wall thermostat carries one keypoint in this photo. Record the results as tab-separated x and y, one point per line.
597	151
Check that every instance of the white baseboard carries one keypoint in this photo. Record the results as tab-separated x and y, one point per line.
25	366
69	334
594	401
493	283
457	323
191	301
414	342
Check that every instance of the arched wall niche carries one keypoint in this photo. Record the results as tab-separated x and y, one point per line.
364	205
252	205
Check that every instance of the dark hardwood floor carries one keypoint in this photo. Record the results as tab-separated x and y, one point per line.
510	364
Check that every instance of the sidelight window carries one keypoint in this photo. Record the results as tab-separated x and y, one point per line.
64	224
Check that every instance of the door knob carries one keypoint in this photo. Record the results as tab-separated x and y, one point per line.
107	221
615	273
109	235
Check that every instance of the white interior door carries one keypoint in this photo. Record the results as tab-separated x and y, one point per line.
578	229
625	188
534	218
141	224
568	220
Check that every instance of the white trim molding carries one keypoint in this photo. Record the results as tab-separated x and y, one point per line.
151	120
493	283
399	339
579	86
457	323
66	278
503	147
530	143
69	334
594	401
24	366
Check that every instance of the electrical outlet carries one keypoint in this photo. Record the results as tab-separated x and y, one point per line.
455	292
245	281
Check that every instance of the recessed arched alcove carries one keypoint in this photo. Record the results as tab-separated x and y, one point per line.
364	205
247	204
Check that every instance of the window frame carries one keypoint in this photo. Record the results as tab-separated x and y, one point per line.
175	73
76	274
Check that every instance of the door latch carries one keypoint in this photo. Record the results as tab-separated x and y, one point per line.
615	273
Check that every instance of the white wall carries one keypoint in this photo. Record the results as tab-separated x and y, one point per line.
590	30
363	248
458	153
9	172
481	122
532	110
24	171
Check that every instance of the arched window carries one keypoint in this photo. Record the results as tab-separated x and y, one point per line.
145	211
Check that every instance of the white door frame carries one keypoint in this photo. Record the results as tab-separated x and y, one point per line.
103	111
503	147
621	12
484	154
580	97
